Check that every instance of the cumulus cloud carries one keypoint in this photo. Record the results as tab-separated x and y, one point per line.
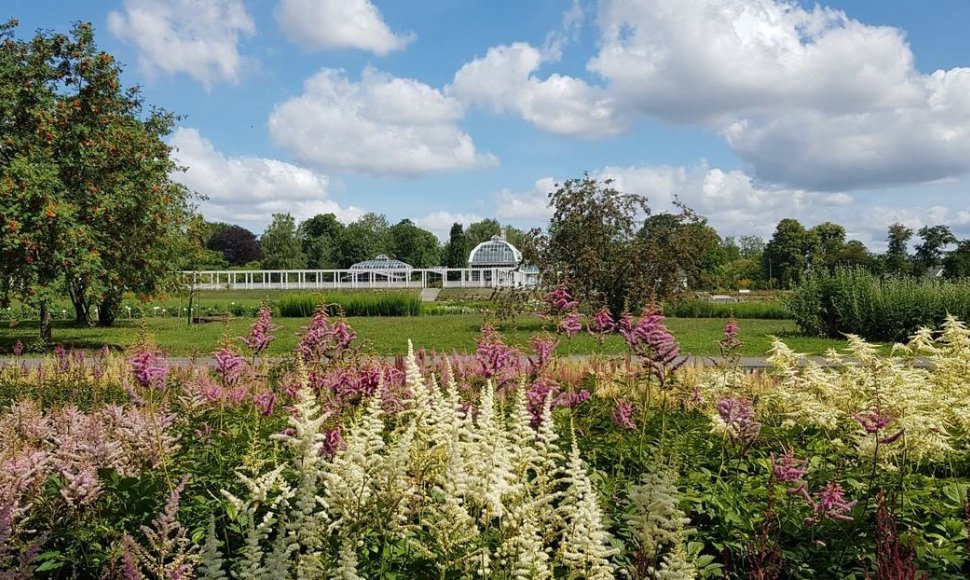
505	80
356	24
200	39
531	204
379	125
250	189
440	222
809	98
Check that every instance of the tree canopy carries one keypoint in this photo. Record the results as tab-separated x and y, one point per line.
86	199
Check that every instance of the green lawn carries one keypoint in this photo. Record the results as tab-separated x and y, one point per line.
445	333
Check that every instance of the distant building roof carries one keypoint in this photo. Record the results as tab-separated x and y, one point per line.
496	252
381	262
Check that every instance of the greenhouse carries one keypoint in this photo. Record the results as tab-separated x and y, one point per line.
495	253
380	268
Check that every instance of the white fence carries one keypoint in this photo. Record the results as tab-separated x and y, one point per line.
358	279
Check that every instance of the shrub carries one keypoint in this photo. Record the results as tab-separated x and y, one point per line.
740	310
351	304
854	301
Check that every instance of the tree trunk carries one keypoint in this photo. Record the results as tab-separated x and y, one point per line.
108	310
45	322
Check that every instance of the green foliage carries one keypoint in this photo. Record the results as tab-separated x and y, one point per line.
789	253
707	309
592	243
413	245
351	304
320	237
854	301
455	253
86	195
280	246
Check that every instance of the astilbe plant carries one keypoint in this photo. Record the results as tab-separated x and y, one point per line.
168	552
658	526
480	492
260	334
649	339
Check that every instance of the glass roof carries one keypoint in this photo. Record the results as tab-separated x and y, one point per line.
381	262
495	252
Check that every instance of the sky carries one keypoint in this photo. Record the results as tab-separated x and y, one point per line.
443	111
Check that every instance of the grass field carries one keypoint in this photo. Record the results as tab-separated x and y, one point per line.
386	336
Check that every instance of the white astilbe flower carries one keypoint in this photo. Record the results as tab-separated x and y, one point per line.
584	550
525	455
210	567
525	551
655	521
453	534
304	529
267	493
677	565
346	561
490	460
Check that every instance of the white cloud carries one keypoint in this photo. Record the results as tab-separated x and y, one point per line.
809	98
440	222
379	125
354	24
504	80
200	39
250	189
532	204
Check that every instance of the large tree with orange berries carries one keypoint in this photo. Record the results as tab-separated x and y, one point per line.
87	203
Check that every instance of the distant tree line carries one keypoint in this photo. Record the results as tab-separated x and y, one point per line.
323	242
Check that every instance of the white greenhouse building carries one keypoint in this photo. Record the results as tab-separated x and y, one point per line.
495	263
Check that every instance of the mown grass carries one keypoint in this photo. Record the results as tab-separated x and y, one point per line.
388	336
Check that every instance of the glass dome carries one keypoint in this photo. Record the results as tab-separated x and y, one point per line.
496	252
381	262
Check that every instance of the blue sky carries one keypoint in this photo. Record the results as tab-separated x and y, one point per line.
854	111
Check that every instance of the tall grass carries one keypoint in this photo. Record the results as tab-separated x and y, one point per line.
356	304
854	301
747	310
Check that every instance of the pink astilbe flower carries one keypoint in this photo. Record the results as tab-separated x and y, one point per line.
601	324
788	469
571	400
230	366
323	341
872	421
544	347
333	442
260	334
81	486
265	402
169	552
571	324
738	416
559	300
147	370
623	415
649	339
18	348
497	359
829	503
63	361
538	392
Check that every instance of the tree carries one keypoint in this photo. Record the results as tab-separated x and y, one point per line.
957	263
364	239
831	240
281	248
413	245
789	253
592	242
854	254
929	253
897	257
237	245
86	195
320	238
455	254
679	249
